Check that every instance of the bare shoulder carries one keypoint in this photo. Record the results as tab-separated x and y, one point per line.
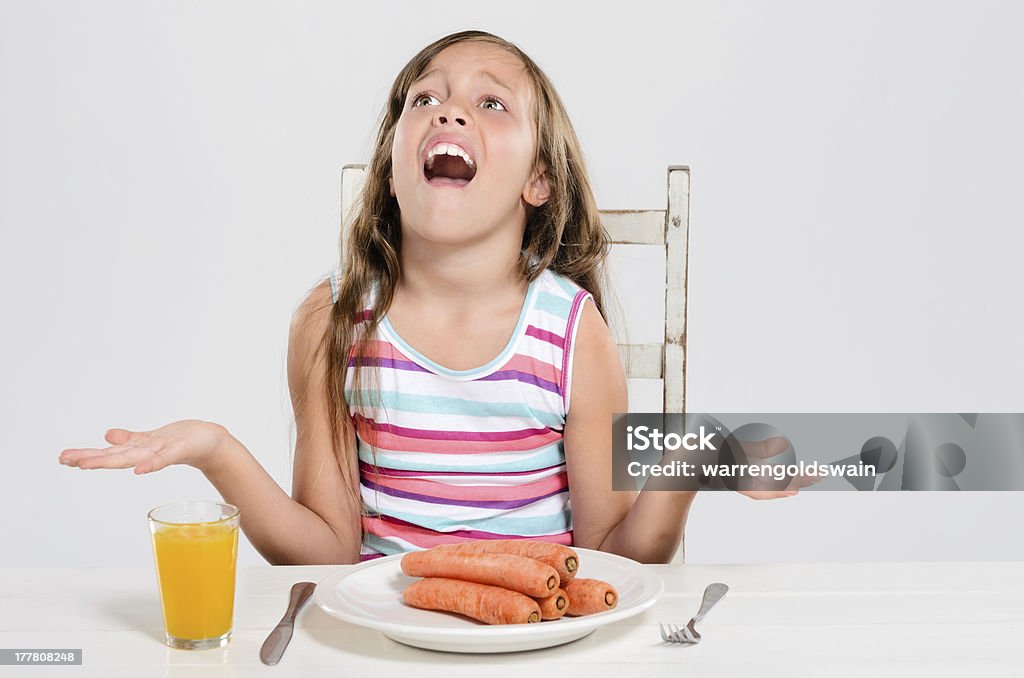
309	323
318	298
323	483
314	312
598	380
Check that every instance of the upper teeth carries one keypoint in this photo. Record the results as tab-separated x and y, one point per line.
450	149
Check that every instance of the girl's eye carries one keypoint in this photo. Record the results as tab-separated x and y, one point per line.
492	104
421	97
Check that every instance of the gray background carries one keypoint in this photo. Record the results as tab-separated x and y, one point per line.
169	190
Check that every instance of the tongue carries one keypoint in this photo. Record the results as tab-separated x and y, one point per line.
447	181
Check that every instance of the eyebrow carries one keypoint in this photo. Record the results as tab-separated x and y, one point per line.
493	78
487	74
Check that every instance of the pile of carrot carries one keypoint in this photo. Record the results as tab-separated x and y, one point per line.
504	581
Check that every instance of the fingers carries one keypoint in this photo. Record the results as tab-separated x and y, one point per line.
180	442
791	489
763	449
118	436
766	488
768	494
73	457
70	457
144	456
802	480
127	451
119	456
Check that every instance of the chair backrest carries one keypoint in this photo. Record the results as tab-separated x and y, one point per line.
669	228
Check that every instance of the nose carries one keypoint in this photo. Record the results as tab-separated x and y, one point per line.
451	113
443	120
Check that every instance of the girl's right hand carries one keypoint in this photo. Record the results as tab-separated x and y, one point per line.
189	441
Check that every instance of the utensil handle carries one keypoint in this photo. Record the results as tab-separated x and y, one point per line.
712	594
300	594
274	646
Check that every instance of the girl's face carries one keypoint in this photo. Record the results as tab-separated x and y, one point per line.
462	158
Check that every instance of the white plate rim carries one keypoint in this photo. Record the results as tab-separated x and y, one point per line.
592	621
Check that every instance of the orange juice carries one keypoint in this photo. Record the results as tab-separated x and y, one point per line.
196	568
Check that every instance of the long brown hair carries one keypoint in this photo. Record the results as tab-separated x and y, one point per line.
564	234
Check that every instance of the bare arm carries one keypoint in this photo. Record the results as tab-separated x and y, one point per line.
318	524
646	528
321	524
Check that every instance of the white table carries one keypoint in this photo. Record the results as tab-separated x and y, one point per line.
832	620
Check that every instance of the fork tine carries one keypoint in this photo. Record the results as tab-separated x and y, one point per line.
688	634
671	633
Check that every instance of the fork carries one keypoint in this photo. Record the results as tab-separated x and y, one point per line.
688	634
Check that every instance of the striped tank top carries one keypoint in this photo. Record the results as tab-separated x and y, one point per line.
469	454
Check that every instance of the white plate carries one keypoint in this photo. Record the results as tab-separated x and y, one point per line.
370	594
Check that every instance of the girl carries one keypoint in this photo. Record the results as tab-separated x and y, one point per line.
456	380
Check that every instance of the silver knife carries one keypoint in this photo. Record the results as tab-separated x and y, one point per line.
277	641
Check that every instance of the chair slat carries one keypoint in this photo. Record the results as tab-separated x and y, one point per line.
642	361
352	179
635	227
676	249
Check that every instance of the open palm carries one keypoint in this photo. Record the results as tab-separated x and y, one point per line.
190	441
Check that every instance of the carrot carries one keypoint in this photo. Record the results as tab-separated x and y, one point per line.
553	607
588	596
516	573
562	558
488	604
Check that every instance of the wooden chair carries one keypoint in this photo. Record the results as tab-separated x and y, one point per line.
668	228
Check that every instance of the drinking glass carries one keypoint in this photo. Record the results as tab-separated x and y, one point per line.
195	545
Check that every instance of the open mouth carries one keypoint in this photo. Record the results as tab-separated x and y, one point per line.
448	165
